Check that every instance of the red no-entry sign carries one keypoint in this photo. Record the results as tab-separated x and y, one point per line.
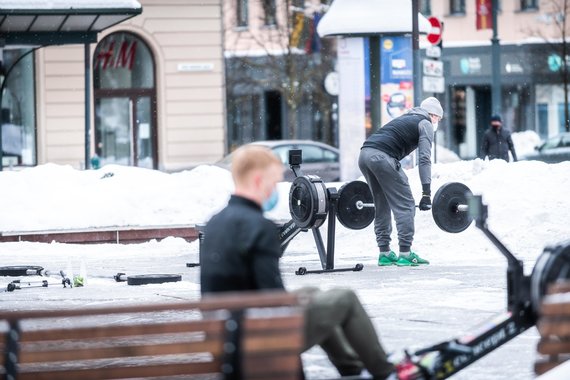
434	36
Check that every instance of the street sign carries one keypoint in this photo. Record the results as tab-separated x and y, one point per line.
434	36
433	51
434	84
433	68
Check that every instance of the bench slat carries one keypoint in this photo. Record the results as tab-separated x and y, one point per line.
214	347
286	340
208	326
225	301
276	363
551	309
558	287
553	346
149	329
554	326
123	372
262	341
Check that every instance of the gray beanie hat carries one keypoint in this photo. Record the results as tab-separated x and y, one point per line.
432	105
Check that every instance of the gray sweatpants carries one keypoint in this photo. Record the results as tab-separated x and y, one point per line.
392	194
336	320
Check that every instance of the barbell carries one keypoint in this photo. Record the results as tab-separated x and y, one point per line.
449	206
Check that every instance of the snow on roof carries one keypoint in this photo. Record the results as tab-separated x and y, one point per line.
366	17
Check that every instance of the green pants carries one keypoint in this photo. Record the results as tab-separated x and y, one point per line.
336	320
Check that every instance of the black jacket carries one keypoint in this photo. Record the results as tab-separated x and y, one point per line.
497	143
240	250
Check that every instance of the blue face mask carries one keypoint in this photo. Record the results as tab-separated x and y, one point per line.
270	203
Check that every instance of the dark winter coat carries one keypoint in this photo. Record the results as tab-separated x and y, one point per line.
497	143
240	250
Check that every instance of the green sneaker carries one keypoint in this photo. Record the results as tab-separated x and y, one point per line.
411	260
389	259
418	259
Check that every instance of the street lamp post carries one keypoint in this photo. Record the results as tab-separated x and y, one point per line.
496	63
416	53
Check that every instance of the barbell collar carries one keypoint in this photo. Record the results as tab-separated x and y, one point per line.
360	205
462	208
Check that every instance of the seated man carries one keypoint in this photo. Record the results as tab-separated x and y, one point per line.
241	250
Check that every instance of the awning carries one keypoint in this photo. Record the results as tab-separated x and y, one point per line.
56	22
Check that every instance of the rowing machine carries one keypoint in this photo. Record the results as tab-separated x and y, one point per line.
524	295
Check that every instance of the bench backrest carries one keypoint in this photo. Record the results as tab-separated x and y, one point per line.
554	327
236	336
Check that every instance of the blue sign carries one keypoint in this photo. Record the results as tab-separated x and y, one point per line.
396	59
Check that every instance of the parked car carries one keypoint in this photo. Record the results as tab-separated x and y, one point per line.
555	149
318	158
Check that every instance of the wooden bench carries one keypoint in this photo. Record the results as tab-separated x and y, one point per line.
230	336
554	328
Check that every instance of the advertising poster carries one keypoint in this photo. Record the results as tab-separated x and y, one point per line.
396	78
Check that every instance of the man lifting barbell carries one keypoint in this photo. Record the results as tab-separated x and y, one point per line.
379	162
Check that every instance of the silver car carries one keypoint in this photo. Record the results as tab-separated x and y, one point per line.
318	158
555	149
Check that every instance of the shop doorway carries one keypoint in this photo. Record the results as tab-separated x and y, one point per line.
483	109
125	102
273	115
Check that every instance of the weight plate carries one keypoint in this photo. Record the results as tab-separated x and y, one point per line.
144	279
308	202
444	208
20	270
552	265
348	214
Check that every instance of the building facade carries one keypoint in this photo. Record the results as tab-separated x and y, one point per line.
276	69
157	93
531	73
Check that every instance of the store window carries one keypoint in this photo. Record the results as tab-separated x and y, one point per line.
542	116
125	102
18	109
562	118
457	7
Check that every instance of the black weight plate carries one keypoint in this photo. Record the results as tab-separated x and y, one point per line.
308	202
144	279
444	208
552	265
20	270
348	214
